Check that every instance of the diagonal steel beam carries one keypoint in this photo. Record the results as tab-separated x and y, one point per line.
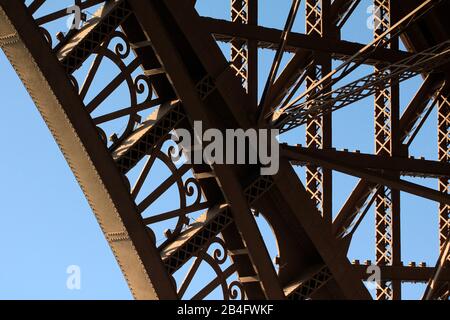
79	45
381	39
154	17
437	286
303	58
193	240
304	289
278	57
160	123
296	114
350	64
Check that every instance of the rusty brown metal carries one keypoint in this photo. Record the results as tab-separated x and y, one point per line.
171	65
319	130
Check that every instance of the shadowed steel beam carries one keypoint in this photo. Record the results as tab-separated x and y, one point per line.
294	196
47	18
269	38
438	287
402	273
304	289
302	57
296	154
405	166
138	144
35	5
278	57
346	7
192	81
418	107
193	240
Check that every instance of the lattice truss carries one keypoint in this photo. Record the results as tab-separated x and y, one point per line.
239	47
444	156
117	80
383	146
317	129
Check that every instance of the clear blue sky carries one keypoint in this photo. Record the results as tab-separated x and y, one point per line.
46	224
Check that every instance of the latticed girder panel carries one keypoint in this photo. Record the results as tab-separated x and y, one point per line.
384	120
444	156
239	48
318	130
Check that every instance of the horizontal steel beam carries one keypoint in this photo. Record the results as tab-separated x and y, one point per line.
401	273
298	154
304	289
269	38
405	166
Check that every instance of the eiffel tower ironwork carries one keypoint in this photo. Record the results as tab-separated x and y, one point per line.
168	62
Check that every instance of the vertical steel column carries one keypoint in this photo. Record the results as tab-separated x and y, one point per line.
387	203
444	156
244	54
318	131
444	184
